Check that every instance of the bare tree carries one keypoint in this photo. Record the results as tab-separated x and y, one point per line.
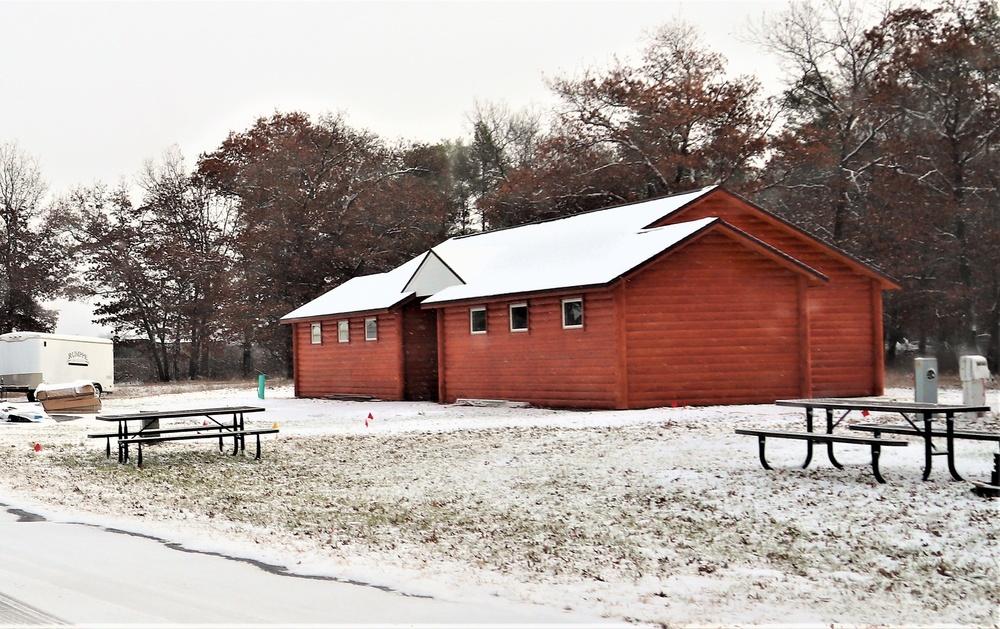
318	203
944	79
194	229
119	255
834	116
33	266
502	141
672	122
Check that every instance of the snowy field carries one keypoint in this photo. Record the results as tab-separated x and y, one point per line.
662	516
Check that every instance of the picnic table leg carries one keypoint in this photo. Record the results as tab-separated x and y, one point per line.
928	445
257	456
876	452
950	432
122	447
760	450
809	444
829	444
240	427
139	460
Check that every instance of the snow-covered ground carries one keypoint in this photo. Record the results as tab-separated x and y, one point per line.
662	516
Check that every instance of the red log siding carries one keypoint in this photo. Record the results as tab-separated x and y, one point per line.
845	314
713	323
843	356
546	365
359	367
420	353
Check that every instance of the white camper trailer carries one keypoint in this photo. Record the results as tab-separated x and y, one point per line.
27	359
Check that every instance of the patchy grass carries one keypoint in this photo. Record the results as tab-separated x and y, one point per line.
661	522
153	389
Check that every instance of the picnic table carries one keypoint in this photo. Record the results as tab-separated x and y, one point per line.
228	422
912	412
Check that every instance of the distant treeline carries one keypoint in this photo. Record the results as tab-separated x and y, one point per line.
884	141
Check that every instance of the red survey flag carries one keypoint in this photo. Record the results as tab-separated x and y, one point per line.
865	413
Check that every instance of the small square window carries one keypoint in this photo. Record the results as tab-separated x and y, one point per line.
519	317
371	329
572	310
343	332
477	320
316	333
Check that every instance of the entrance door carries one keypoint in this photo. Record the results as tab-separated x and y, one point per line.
420	360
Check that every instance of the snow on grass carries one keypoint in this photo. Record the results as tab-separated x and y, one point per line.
661	516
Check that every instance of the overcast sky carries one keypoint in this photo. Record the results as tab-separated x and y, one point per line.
93	89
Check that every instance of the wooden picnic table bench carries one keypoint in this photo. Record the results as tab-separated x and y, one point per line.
819	437
227	423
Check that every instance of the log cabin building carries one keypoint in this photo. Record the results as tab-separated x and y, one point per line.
699	298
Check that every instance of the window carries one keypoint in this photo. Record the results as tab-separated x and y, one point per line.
371	329
477	320
316	333
572	313
343	332
519	317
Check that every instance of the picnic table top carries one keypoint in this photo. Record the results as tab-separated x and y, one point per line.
191	412
850	404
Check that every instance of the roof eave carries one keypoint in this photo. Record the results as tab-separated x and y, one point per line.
481	299
352	313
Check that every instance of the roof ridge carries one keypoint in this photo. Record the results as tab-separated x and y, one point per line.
542	221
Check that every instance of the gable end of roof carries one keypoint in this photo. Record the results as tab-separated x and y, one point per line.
887	282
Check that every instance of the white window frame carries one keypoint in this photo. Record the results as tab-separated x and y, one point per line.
472	329
316	333
574	326
371	329
527	320
344	331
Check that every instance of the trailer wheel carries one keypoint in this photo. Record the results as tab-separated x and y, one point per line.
97	389
31	395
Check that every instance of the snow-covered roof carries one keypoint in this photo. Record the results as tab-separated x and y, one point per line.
590	249
365	293
547	256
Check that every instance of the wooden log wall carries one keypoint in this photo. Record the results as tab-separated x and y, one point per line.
358	367
845	315
547	365
713	323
